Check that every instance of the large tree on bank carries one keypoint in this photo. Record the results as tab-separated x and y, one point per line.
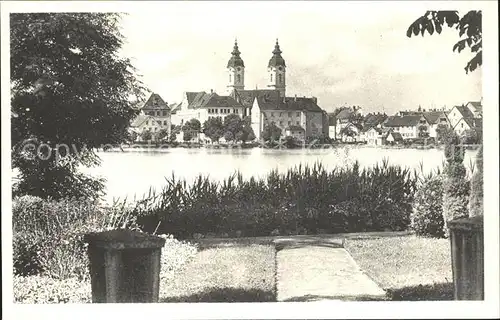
70	94
469	28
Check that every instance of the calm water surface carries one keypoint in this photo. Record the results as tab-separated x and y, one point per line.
132	173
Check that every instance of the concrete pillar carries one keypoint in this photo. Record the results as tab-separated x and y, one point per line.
124	266
467	253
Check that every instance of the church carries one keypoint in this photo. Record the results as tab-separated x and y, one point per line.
300	117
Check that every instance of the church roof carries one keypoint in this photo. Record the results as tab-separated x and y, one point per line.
213	100
235	60
155	102
276	59
275	102
247	97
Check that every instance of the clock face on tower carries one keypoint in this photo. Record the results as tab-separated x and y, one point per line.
280	68
239	68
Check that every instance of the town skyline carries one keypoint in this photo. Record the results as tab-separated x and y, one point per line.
370	63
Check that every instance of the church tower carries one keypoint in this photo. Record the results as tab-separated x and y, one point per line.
276	70
235	70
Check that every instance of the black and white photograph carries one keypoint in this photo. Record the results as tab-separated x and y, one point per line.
293	159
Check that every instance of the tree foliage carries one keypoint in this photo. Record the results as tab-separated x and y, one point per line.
247	131
443	133
213	128
69	87
146	135
271	132
191	129
469	29
233	127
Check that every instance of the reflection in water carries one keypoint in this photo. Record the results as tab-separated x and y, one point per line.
134	172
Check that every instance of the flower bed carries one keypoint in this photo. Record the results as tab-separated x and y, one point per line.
45	289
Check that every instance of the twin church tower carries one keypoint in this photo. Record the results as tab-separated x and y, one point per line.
276	70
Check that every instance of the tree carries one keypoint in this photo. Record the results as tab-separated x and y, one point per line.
213	128
233	127
472	136
455	185
247	133
162	135
146	135
443	133
271	132
194	125
468	26
191	129
71	93
477	185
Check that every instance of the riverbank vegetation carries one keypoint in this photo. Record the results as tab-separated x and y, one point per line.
303	200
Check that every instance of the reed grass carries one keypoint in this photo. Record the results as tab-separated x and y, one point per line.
304	197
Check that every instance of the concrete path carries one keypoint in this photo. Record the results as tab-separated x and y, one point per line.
316	267
311	272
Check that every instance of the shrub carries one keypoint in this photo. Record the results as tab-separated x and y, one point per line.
42	289
427	214
48	234
455	185
476	192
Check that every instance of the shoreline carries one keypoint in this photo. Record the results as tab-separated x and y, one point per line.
165	147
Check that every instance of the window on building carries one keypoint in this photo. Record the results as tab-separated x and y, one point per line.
216	110
147	122
238	78
229	77
271	77
236	111
158	113
280	78
298	114
164	113
289	122
272	114
165	122
281	123
298	122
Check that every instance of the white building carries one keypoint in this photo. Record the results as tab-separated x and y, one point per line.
154	117
408	125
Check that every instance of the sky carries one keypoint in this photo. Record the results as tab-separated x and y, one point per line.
353	53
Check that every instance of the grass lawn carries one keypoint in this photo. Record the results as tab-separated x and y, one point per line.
242	273
407	267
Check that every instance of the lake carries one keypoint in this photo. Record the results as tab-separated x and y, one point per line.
133	172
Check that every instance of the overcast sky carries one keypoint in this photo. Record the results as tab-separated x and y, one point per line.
343	53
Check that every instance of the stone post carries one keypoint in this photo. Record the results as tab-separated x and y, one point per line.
124	266
467	254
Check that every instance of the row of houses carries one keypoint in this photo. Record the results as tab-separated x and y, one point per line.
300	117
377	128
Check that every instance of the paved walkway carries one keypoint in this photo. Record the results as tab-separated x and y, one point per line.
315	273
312	268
